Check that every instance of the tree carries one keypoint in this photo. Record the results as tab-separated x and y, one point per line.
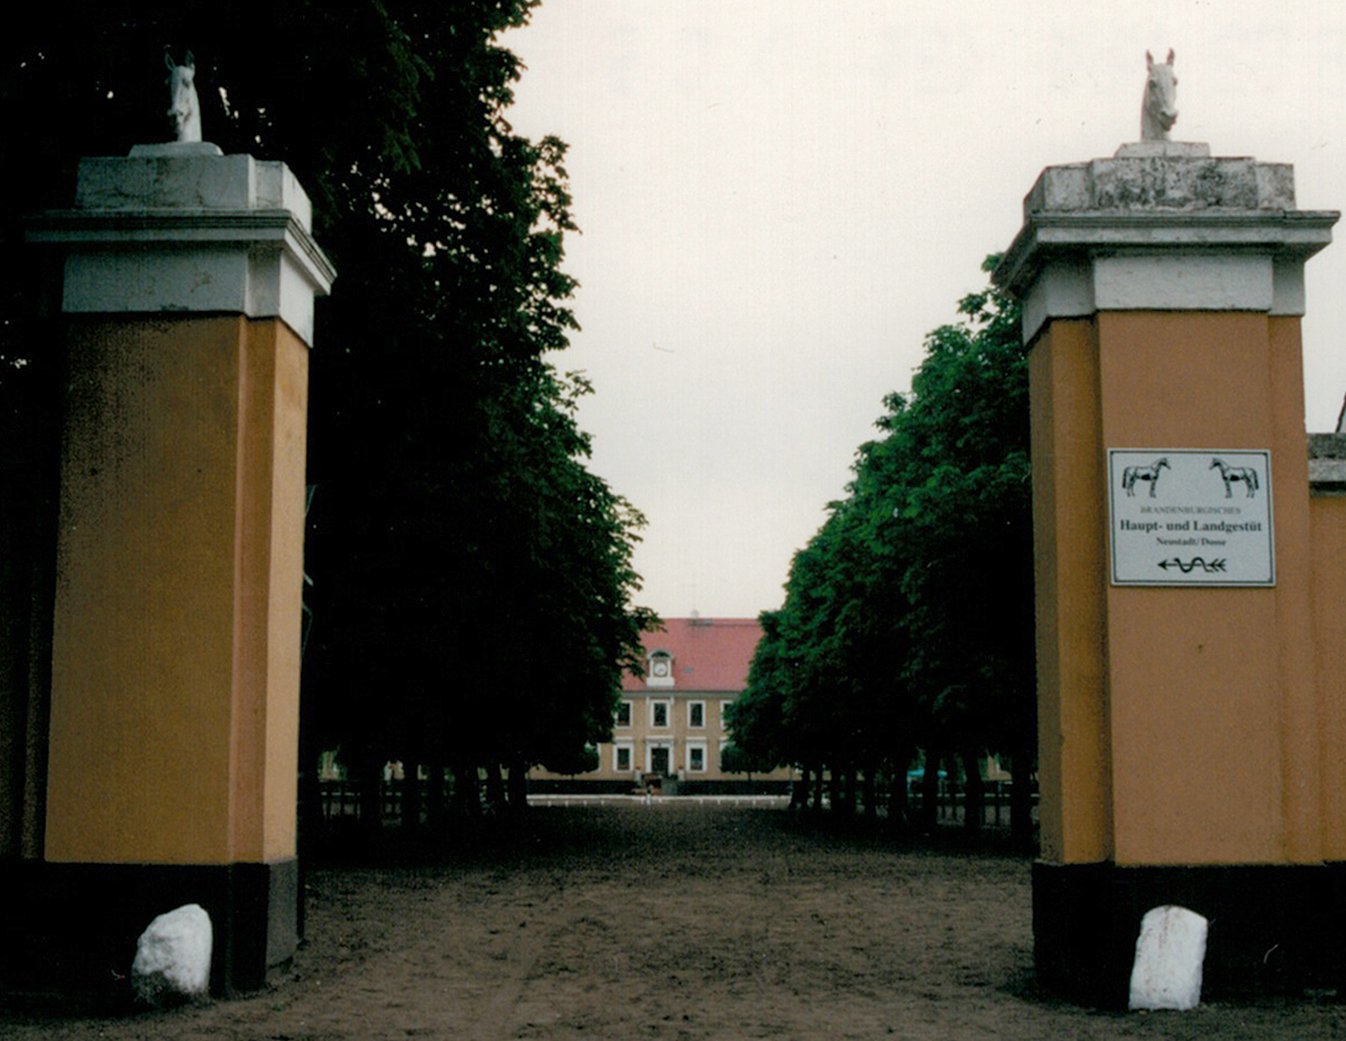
458	546
960	493
908	616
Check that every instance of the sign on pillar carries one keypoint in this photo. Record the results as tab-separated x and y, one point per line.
1191	531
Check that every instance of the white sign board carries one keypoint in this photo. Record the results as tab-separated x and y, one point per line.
1188	517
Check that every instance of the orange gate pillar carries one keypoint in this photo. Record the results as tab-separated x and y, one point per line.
1179	717
189	281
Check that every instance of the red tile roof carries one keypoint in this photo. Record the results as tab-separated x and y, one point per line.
709	654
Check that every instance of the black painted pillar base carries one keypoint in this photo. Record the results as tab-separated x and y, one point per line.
1274	929
68	931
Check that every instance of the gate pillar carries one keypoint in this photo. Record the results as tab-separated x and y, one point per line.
188	286
1182	722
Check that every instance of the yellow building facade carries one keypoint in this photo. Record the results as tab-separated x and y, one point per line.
671	728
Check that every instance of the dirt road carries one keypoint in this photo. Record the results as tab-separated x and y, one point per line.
676	922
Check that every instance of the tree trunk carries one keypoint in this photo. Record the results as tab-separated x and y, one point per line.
897	799
799	790
1021	799
871	807
518	786
309	821
411	796
974	791
495	788
818	788
369	774
930	790
466	800
838	787
434	794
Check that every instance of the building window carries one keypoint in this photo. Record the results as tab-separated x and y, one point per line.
696	757
696	714
621	758
624	714
659	714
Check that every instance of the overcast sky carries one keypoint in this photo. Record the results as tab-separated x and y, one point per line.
778	200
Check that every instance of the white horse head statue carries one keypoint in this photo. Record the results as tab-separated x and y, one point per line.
1159	110
184	110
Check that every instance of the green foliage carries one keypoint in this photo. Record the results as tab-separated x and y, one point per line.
472	579
908	617
573	760
734	760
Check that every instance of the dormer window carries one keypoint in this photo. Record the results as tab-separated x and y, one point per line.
660	669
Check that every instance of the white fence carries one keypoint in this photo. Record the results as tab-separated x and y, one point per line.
764	801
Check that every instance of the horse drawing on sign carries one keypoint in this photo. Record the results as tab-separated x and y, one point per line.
1158	112
1150	473
1231	474
184	110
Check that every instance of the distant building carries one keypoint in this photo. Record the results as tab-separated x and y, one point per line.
670	723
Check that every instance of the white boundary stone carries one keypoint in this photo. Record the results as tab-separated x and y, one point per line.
173	957
1170	952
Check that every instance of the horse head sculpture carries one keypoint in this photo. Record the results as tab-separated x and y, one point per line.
184	110
1159	110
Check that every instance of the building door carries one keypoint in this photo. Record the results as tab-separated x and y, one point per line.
659	760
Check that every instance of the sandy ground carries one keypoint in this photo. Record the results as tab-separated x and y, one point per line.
676	922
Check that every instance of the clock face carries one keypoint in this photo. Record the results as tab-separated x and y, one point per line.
661	668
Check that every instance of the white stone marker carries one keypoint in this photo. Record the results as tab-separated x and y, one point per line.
173	957
1169	953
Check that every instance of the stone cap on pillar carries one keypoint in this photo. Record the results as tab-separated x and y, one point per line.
1162	226
179	229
